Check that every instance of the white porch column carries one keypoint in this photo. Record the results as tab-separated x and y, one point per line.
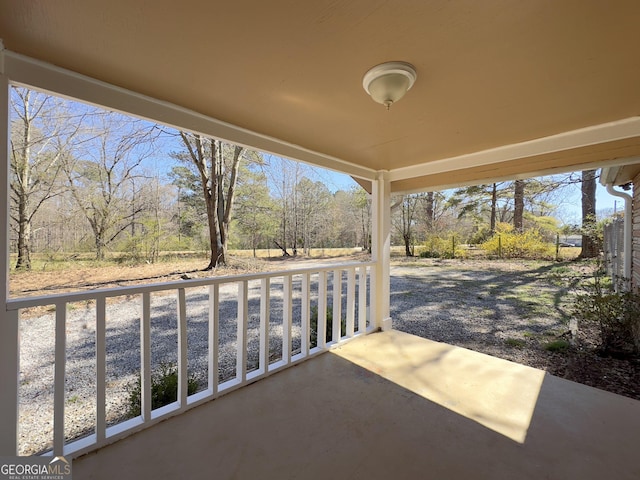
381	250
9	331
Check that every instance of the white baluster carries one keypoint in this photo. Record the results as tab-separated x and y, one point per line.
59	378
101	370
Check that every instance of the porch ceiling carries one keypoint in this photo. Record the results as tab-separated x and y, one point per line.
490	73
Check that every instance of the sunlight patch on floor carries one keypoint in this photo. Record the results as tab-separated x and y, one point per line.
495	393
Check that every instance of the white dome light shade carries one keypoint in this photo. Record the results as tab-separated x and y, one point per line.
388	82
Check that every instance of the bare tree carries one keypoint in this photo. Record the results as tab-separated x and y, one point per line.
313	200
284	175
42	130
362	202
217	164
404	219
101	183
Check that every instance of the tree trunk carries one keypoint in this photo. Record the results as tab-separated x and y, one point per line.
283	220
407	245
217	190
494	204
99	248
211	203
295	220
590	246
429	213
23	173
408	206
283	248
518	209
24	240
227	203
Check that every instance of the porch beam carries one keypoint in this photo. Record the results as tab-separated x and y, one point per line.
381	251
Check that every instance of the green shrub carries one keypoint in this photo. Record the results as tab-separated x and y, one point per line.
164	389
314	326
617	315
507	243
436	246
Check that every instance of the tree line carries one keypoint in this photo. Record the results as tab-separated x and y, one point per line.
473	213
83	178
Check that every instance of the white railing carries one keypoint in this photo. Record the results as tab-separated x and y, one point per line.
304	292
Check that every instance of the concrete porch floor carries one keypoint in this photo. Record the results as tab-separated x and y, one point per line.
390	406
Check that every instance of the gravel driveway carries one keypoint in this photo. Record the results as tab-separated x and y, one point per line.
479	303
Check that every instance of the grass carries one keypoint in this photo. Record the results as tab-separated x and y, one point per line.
515	342
565	253
313	252
64	273
559	345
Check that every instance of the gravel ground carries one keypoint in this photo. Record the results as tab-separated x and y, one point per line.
476	303
507	309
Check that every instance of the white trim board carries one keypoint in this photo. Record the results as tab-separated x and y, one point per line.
606	132
618	162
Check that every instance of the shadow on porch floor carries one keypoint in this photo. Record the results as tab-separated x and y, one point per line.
390	405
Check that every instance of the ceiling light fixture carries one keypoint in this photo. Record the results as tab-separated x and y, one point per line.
388	82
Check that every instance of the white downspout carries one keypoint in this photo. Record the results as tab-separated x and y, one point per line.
606	179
